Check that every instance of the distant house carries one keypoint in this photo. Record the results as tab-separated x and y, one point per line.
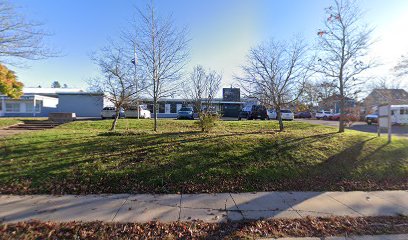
332	103
385	96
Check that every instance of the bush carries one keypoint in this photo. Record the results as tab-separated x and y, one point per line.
207	121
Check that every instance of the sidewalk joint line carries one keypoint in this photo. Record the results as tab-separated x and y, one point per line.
345	205
179	216
120	208
290	206
239	210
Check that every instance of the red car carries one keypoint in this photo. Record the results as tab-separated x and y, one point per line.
334	117
347	117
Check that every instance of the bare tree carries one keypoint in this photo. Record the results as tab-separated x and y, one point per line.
401	69
20	38
275	73
343	45
162	51
202	87
117	79
314	92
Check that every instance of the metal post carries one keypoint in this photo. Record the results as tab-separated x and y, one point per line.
389	124
136	83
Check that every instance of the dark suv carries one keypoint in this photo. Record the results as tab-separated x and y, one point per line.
253	112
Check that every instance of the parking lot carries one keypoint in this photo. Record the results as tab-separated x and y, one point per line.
360	126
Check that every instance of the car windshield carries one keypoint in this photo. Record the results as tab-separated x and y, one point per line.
286	111
186	109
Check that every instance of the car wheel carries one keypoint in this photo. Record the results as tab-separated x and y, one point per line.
239	119
325	118
102	117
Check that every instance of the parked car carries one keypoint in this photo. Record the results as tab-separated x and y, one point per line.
371	118
253	112
323	115
110	112
185	113
334	117
143	112
286	114
303	115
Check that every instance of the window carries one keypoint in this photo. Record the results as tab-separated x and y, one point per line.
13	107
173	108
161	108
29	107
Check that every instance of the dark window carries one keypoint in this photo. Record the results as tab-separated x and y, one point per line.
173	107
150	107
161	108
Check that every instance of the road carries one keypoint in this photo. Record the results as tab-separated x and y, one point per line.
401	131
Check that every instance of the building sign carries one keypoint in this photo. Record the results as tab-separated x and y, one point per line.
384	120
231	94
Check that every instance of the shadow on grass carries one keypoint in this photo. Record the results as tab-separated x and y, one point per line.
186	162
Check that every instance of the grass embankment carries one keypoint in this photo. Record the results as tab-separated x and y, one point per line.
83	157
5	122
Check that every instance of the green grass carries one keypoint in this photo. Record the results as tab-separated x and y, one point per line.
5	122
83	157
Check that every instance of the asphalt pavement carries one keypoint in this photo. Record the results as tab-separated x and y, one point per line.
397	130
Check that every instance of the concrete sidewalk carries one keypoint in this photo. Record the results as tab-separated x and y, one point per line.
206	207
365	237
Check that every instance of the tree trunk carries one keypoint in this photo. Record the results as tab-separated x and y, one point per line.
279	115
138	109
155	113
341	122
115	120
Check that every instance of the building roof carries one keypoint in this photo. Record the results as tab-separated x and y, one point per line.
393	96
51	91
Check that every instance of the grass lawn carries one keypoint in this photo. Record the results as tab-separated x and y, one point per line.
5	122
83	157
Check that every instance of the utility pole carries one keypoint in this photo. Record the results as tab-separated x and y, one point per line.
134	61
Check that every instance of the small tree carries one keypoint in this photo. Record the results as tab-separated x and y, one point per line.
116	79
275	73
9	84
343	45
202	87
55	84
162	53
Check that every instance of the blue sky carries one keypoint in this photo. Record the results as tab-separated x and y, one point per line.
222	31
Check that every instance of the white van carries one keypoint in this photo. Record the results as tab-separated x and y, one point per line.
110	112
399	114
143	112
